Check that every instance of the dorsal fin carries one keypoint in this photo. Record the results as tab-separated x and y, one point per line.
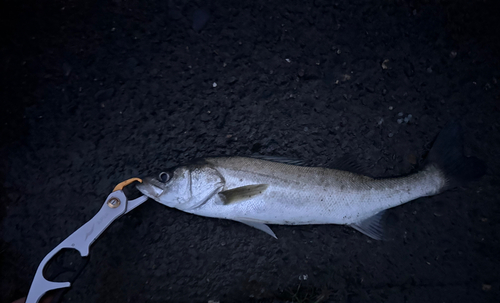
350	164
283	160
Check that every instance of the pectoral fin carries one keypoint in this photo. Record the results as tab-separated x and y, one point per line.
242	193
373	226
259	226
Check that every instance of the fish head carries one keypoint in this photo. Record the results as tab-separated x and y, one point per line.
170	187
183	187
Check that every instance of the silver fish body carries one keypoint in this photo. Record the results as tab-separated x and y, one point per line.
258	192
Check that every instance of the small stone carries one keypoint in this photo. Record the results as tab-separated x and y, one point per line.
400	121
232	80
214	84
453	54
391	108
384	64
345	77
400	114
408	118
390	135
287	60
67	69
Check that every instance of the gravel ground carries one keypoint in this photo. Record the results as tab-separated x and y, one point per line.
95	92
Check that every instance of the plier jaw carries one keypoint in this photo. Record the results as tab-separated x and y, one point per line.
115	206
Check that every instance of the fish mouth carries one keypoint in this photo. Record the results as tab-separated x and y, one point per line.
151	187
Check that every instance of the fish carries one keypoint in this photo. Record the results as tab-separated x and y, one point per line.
268	190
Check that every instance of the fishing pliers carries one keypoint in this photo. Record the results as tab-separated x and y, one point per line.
115	206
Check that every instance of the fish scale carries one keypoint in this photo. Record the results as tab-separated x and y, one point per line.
310	195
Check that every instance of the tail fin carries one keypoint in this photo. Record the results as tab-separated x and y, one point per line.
447	155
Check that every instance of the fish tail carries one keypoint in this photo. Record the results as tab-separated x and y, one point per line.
447	154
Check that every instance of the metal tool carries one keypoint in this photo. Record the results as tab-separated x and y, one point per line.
114	207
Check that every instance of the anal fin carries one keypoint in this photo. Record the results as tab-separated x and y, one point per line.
372	226
259	225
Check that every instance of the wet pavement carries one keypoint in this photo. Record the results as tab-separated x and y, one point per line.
96	92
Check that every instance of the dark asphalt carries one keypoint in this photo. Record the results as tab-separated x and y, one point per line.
96	92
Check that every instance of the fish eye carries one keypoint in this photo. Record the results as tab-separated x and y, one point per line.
164	177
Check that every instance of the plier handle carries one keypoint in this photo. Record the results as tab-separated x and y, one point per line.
115	206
